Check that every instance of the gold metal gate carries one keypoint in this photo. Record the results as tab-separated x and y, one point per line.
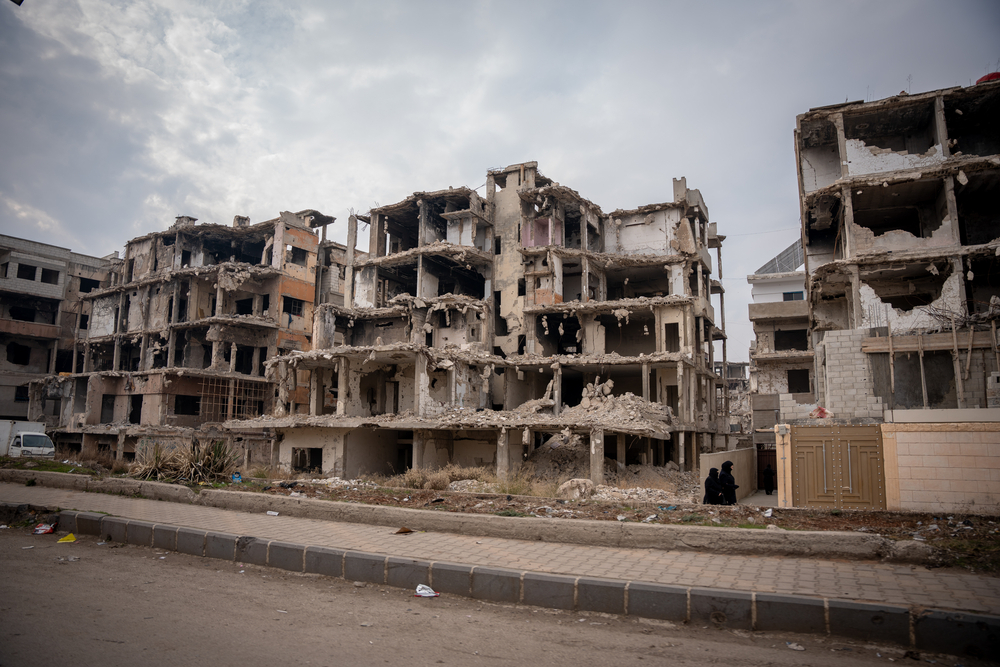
837	467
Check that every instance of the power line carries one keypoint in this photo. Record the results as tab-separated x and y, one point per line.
770	231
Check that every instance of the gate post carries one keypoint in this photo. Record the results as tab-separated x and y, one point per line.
783	445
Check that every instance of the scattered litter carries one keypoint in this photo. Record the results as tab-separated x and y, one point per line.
27	547
649	519
71	559
69	538
296	494
668	508
281	611
44	528
621	517
4	526
768	514
359	584
163	558
794	646
100	544
403	531
438	500
272	513
367	624
237	477
425	592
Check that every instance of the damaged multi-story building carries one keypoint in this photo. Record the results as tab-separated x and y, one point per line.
781	354
179	336
901	247
479	328
41	311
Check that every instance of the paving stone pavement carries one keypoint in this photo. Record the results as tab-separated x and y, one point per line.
850	580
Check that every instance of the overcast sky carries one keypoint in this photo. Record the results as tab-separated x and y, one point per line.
115	117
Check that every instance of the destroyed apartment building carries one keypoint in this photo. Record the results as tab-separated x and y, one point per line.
179	336
478	329
899	369
41	313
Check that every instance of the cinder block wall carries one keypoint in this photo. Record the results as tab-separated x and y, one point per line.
950	467
849	391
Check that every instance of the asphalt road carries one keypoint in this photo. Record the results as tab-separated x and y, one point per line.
91	604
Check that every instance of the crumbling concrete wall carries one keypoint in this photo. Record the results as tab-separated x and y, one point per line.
863	159
102	318
951	299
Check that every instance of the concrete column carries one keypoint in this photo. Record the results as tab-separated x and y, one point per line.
645	382
343	375
597	455
557	389
231	400
315	392
120	448
422	219
620	454
503	455
419	443
256	362
232	358
220	296
352	240
681	447
280	410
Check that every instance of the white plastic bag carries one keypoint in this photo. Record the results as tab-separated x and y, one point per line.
425	592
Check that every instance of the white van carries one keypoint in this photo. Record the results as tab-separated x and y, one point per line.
27	443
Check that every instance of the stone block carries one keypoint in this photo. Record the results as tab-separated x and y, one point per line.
360	566
956	633
67	521
606	596
191	541
140	533
114	529
722	608
165	537
325	561
452	579
88	523
869	621
250	550
286	556
220	545
668	603
548	590
496	585
790	613
407	572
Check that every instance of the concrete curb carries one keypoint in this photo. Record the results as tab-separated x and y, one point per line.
732	541
934	630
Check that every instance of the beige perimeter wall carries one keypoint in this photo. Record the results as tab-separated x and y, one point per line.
952	467
744	469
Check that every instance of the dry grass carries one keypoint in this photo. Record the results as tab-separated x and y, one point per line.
270	472
216	461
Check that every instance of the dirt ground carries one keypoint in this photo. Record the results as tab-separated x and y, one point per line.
87	603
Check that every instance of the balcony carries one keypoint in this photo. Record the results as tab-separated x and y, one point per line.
29	329
779	310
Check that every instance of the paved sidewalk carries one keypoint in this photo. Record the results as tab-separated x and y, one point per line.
859	581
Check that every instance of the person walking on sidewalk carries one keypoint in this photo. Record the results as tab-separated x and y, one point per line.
713	489
729	484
